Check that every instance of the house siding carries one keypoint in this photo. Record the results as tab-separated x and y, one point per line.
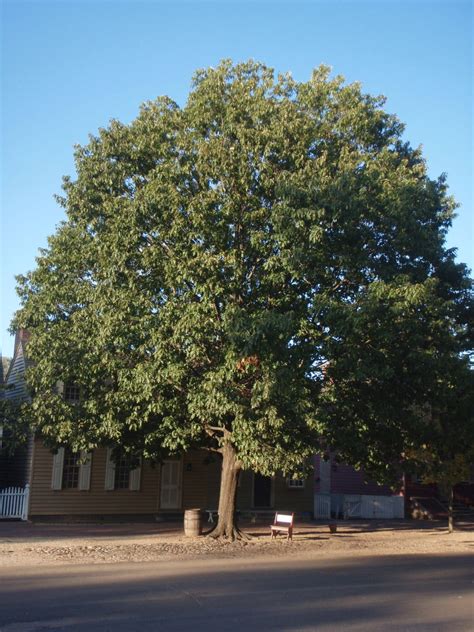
45	501
346	480
200	482
299	500
15	379
283	497
15	468
245	490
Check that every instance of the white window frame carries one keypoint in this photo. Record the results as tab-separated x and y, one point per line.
85	468
64	389
295	483
71	388
109	483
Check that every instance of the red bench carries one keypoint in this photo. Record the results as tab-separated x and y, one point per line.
283	523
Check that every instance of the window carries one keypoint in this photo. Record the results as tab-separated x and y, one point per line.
123	467
71	470
295	483
122	471
71	467
72	392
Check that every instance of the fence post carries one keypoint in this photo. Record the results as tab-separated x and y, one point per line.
26	498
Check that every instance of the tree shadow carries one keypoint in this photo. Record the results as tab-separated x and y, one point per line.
32	531
363	593
43	532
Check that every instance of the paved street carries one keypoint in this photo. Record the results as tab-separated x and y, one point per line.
370	594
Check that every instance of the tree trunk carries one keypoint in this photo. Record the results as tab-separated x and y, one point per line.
226	525
450	510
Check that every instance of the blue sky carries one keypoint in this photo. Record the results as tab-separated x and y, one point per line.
69	67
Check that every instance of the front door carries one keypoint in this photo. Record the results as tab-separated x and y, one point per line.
170	493
262	491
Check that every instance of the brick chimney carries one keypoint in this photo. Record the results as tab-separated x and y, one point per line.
22	335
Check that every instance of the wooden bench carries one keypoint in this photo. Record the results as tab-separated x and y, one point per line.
283	523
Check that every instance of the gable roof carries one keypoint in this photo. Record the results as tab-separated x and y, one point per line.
15	377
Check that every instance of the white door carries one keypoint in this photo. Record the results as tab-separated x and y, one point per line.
170	494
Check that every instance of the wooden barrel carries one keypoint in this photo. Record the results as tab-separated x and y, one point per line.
192	522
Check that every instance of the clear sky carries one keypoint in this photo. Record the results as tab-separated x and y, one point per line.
68	67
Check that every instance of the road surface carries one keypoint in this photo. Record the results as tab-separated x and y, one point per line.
364	594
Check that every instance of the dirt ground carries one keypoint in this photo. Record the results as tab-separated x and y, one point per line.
36	544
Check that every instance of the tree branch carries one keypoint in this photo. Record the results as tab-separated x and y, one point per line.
218	310
216	429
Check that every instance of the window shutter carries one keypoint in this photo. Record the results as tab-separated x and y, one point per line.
85	470
58	462
60	387
134	483
109	471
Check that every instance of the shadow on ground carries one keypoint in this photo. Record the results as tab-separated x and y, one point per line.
422	592
33	531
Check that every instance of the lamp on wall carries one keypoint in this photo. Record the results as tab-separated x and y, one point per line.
189	467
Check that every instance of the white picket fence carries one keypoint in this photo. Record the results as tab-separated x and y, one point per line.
14	502
360	506
322	506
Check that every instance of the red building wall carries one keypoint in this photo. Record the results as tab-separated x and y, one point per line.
346	480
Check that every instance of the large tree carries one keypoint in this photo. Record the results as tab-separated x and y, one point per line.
210	284
444	451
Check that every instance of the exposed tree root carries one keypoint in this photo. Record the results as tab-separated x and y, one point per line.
231	534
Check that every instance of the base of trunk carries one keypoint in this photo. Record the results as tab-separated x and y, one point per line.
450	524
226	525
231	533
451	511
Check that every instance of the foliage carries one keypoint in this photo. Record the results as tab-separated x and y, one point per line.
399	380
5	365
264	266
15	427
446	455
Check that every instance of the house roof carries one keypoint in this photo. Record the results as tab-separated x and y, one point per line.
15	374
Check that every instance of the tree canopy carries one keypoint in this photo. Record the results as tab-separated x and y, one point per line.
262	270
